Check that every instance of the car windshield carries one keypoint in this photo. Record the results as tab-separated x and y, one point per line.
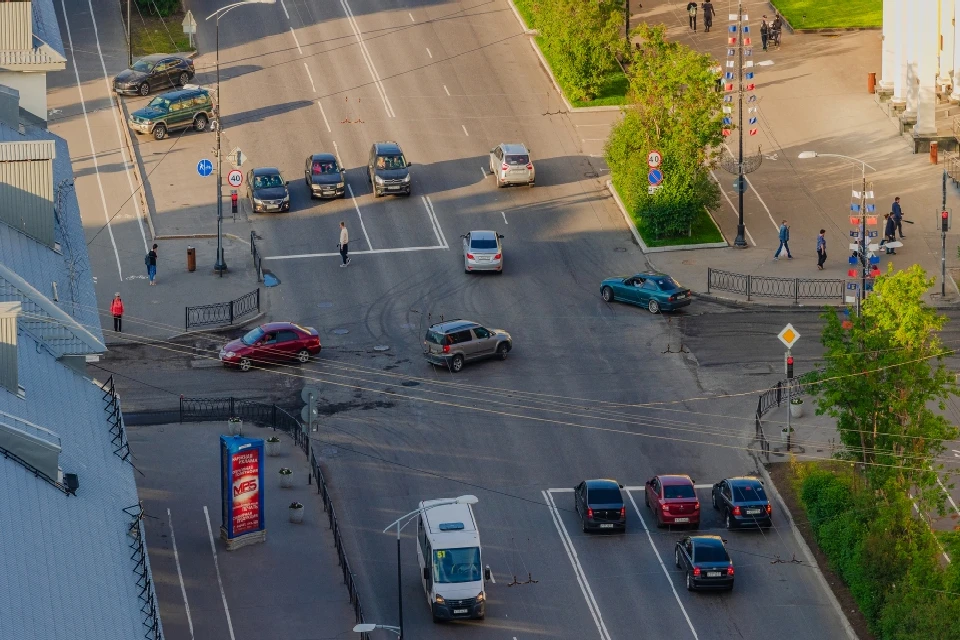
518	160
268	181
710	553
143	65
160	103
456	565
391	162
678	491
252	337
667	284
749	493
436	337
324	167
604	495
483	243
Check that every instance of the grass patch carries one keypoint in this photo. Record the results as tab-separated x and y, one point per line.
150	36
703	231
823	14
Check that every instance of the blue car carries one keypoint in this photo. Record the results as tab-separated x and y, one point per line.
655	291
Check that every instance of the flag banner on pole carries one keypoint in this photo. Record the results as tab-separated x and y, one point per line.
871	219
728	86
750	87
855	221
732	16
745	17
748	64
727	109
745	28
751	109
728	75
728	98
727	132
748	52
752	120
869	195
732	40
731	52
856	194
854	233
751	98
871	207
732	28
731	64
748	75
854	206
746	42
753	132
728	121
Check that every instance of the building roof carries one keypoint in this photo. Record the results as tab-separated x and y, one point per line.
46	28
47	53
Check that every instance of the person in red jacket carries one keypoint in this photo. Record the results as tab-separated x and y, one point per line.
116	308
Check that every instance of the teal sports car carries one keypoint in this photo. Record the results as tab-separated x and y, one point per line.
655	291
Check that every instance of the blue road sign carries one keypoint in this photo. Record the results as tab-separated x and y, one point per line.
655	176
740	185
204	168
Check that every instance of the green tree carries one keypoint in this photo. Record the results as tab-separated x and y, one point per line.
882	376
674	109
161	8
582	39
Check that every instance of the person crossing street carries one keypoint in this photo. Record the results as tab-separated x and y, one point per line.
343	246
821	249
784	242
116	310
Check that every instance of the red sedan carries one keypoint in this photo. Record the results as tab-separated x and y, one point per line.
272	342
673	500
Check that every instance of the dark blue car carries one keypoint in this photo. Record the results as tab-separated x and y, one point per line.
743	503
655	291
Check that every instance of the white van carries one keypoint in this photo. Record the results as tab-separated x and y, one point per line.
451	568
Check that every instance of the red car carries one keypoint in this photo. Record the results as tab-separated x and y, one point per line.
673	500
272	342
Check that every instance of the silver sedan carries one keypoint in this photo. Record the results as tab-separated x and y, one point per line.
482	251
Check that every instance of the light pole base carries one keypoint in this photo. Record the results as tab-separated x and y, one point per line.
741	239
220	267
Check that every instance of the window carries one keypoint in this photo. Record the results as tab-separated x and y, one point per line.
604	495
667	284
655	483
725	490
435	337
678	491
160	103
649	285
252	337
710	553
143	66
518	160
391	163
498	153
483	243
456	565
481	333
324	167
749	493
176	106
268	181
460	336
270	338
287	336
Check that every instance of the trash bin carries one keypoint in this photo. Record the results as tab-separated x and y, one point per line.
191	259
872	82
933	151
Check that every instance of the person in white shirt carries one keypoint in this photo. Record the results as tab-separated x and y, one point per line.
344	240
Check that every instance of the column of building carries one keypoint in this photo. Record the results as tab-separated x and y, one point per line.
927	29
892	28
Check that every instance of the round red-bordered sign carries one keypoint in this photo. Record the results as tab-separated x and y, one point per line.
654	159
235	178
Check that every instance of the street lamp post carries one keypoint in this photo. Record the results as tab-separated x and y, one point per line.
862	293
405	520
220	266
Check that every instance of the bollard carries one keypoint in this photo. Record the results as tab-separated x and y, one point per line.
191	259
872	82
933	151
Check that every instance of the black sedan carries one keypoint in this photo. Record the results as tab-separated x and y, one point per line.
157	71
599	504
324	176
705	563
267	190
743	503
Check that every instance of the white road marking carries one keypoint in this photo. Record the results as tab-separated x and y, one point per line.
504	217
433	212
484	172
216	564
361	251
284	9
492	579
756	193
577	568
411	17
324	117
433	223
295	39
176	559
429	54
357	207
733	207
93	154
663	566
368	59
445	89
336	149
312	86
561	490
465	130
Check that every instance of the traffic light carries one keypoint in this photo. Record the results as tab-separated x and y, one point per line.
789	362
944	221
233	201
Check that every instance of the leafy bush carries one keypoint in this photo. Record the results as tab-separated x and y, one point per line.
161	8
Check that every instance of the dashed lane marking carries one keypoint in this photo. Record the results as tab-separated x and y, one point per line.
324	117
428	53
465	130
216	564
176	559
359	215
295	40
310	76
445	89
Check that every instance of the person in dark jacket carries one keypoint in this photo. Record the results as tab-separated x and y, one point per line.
890	233
821	249
898	216
692	13
708	13
151	261
784	240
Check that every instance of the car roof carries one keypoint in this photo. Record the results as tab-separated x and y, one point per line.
650	274
388	146
276	326
181	93
675	479
603	483
483	235
323	156
740	481
514	149
266	171
707	540
453	325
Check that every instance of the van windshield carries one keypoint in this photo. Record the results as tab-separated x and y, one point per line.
456	565
160	103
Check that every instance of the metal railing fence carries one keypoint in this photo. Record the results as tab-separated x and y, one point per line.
223	313
772	287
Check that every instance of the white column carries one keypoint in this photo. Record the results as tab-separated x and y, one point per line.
955	94
891	36
899	74
928	48
947	40
912	35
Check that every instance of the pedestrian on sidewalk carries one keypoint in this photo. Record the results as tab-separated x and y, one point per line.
116	309
708	13
344	240
776	29
692	12
151	261
889	233
898	216
764	32
821	249
784	240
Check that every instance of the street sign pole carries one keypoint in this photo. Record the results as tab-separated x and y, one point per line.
220	265
943	242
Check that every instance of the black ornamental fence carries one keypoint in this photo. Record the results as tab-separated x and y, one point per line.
257	258
795	289
769	399
223	313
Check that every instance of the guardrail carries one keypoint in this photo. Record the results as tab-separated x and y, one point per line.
770	287
223	313
773	397
257	258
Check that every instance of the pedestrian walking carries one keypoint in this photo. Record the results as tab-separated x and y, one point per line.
151	262
692	13
784	240
717	71
344	242
708	13
776	29
764	32
821	249
889	233
898	216
116	309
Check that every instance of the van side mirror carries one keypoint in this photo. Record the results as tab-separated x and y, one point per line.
426	573
486	573
621	486
500	235
409	164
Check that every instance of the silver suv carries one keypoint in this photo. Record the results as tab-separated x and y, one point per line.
511	164
455	342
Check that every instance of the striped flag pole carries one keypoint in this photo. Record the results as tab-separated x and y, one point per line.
740	68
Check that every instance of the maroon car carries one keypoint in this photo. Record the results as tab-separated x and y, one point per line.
673	500
272	342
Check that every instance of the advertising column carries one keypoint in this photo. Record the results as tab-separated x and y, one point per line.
241	489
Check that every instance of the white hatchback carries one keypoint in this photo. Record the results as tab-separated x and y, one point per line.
511	164
482	251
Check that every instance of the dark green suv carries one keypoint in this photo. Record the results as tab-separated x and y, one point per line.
174	110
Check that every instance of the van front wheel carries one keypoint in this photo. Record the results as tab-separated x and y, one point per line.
200	122
160	131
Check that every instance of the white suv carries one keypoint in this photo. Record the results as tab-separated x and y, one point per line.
511	164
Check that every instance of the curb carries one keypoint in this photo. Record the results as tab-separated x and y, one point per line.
135	161
527	31
190	236
639	239
736	303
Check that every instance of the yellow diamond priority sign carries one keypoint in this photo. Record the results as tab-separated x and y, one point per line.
789	336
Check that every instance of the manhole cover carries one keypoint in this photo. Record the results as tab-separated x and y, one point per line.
325	305
408	325
382	347
620	250
341	332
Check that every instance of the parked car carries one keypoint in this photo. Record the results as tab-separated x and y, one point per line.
673	500
324	176
455	342
267	190
655	291
482	251
600	506
705	563
743	502
511	164
174	110
387	169
156	71
272	342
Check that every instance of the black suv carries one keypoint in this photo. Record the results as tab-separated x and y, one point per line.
454	342
157	71
387	169
599	504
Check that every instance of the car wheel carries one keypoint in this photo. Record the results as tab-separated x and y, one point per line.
436	620
676	557
729	521
200	122
144	89
646	499
244	364
457	363
160	131
713	495
502	351
690	586
653	306
303	356
607	294
657	520
183	79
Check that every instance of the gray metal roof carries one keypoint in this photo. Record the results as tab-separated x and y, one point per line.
46	52
46	28
67	570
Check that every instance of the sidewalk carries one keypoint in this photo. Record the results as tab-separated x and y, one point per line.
813	97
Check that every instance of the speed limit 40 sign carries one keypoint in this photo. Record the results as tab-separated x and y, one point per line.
654	159
235	178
